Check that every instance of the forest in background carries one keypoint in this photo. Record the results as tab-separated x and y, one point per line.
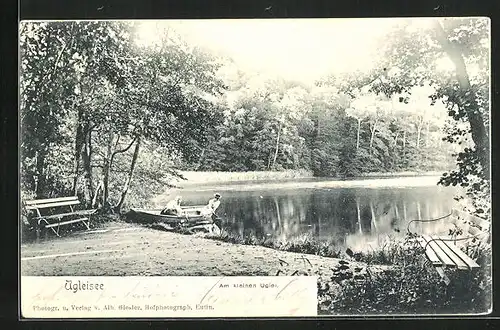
114	121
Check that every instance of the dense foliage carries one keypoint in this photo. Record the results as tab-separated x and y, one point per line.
97	110
283	125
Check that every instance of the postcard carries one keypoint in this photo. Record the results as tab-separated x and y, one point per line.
255	168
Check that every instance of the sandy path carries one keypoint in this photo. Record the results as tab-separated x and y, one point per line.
132	250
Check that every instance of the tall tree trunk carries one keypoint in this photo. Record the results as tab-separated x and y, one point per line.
79	141
404	147
95	200
269	160
277	146
373	129
200	159
106	168
40	173
130	174
468	99
419	131
357	135
87	168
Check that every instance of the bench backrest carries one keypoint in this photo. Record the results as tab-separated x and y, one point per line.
474	225
51	202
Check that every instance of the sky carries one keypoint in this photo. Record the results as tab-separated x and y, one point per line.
300	49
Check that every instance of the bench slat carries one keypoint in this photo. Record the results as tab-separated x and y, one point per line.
468	260
50	200
45	206
430	253
65	222
441	255
82	212
55	216
450	253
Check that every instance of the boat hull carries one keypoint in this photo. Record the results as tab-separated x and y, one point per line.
192	218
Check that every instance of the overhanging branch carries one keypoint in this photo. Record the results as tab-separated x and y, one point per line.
123	150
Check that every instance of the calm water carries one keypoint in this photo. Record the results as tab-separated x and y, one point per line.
355	216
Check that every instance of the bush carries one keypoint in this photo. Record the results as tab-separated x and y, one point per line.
412	287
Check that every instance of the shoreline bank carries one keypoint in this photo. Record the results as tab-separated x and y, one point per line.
365	182
244	178
193	177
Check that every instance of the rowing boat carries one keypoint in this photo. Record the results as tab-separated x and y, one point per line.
192	217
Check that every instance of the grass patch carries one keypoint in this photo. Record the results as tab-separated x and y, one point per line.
390	252
302	244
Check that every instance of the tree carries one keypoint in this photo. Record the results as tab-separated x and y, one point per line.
74	60
45	99
452	56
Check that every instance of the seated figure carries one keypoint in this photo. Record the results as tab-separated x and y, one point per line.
173	207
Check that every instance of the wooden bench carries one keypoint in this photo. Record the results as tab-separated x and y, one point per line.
50	213
444	252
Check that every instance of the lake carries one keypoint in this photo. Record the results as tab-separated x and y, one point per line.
357	213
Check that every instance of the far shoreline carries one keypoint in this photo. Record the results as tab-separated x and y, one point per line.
290	176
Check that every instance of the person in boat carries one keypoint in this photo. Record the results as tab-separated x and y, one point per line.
173	207
209	212
212	206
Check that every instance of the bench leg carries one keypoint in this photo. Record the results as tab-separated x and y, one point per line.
441	273
39	229
56	231
87	223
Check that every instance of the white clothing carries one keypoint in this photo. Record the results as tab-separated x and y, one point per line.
209	209
213	204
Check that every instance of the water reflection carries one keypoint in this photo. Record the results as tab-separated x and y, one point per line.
356	217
